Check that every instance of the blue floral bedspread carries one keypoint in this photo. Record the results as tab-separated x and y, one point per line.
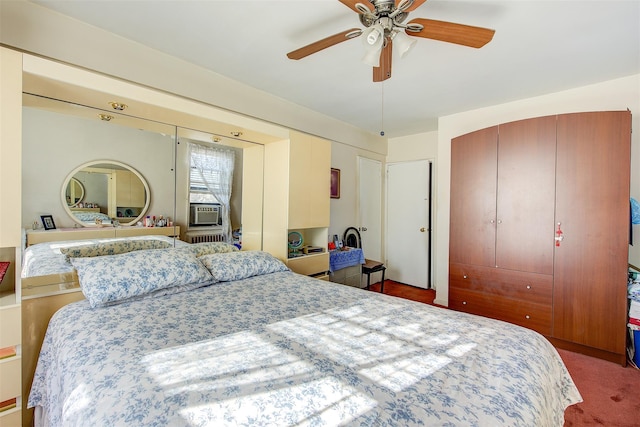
286	350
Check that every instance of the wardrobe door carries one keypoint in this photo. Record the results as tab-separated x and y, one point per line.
526	195
592	207
473	198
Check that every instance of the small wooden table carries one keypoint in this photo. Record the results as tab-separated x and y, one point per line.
371	266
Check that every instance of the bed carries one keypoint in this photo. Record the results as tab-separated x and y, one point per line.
236	338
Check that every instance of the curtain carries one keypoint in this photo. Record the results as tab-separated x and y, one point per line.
212	173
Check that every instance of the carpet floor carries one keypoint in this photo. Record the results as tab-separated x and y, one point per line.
610	392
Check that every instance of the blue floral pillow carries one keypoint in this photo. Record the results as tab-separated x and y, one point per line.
114	278
114	247
207	248
242	264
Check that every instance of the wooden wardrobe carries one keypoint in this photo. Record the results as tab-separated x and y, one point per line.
539	229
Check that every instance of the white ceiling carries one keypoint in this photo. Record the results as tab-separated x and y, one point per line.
539	47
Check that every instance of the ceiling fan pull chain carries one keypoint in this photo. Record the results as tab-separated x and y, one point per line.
382	110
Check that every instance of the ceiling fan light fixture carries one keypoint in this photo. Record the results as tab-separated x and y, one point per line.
374	35
373	39
403	42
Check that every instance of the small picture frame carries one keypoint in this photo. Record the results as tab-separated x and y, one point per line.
47	222
335	183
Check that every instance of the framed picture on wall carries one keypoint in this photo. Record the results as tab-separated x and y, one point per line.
335	183
47	222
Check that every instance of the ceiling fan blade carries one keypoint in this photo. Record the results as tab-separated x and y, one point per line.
450	32
416	4
324	43
351	4
383	72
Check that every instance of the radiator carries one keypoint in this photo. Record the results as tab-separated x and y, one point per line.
201	238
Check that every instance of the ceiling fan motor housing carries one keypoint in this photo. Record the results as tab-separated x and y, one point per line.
384	6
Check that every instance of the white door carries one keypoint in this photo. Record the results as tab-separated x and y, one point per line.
370	207
408	226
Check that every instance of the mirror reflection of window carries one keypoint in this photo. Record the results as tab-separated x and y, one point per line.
211	180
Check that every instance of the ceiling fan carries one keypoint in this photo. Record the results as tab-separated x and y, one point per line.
384	22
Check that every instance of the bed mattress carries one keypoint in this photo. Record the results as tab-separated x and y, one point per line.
282	349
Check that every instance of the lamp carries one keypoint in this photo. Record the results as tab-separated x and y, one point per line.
373	39
403	42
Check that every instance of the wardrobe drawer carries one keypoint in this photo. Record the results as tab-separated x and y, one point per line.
529	287
530	315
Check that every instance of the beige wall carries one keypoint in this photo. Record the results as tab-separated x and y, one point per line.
421	146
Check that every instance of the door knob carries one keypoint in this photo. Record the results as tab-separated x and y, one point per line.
422	229
363	229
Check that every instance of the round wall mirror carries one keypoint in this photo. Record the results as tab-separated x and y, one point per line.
74	193
111	191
